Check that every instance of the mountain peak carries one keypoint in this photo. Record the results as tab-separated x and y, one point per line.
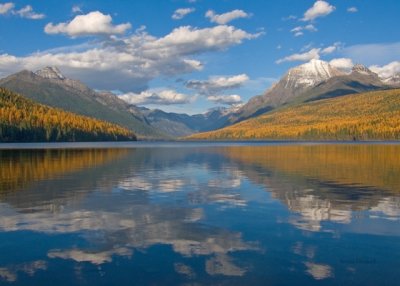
310	74
50	73
359	68
393	80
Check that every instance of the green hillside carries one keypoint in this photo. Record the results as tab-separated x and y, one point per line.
365	116
23	120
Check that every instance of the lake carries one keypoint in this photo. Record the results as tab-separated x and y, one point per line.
200	214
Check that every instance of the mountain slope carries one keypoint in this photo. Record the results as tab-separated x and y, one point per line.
310	81
364	116
177	125
295	82
23	120
48	86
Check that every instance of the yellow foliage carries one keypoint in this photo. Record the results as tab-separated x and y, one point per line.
376	166
366	116
22	119
19	168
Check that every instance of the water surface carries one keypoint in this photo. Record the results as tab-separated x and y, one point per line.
200	214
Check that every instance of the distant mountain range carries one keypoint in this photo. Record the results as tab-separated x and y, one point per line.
308	82
50	87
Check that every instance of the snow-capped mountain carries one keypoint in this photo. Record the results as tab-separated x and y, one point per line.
394	80
50	73
54	75
359	68
310	81
309	74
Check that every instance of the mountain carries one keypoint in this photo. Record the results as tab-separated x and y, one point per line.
394	80
364	116
23	120
360	79
178	125
310	81
295	82
50	87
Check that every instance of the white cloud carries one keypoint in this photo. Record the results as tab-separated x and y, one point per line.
304	57
331	49
76	9
216	84
298	31
93	23
225	18
6	8
372	54
314	53
231	99
25	12
310	27
386	71
155	96
182	12
290	17
28	13
352	9
298	34
344	64
128	63
187	40
319	9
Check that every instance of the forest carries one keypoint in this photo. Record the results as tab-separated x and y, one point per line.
365	116
23	120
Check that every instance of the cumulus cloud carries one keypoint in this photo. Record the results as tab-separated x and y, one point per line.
187	40
28	13
181	13
6	7
93	23
217	84
319	9
386	71
128	63
230	99
344	64
225	18
352	9
155	96
304	57
314	53
299	30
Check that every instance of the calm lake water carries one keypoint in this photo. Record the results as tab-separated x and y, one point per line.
200	214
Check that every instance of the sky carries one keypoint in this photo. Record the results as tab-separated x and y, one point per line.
188	56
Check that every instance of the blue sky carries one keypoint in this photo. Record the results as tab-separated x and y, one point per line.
187	55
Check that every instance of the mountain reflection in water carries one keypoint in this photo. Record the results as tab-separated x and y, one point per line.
275	214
